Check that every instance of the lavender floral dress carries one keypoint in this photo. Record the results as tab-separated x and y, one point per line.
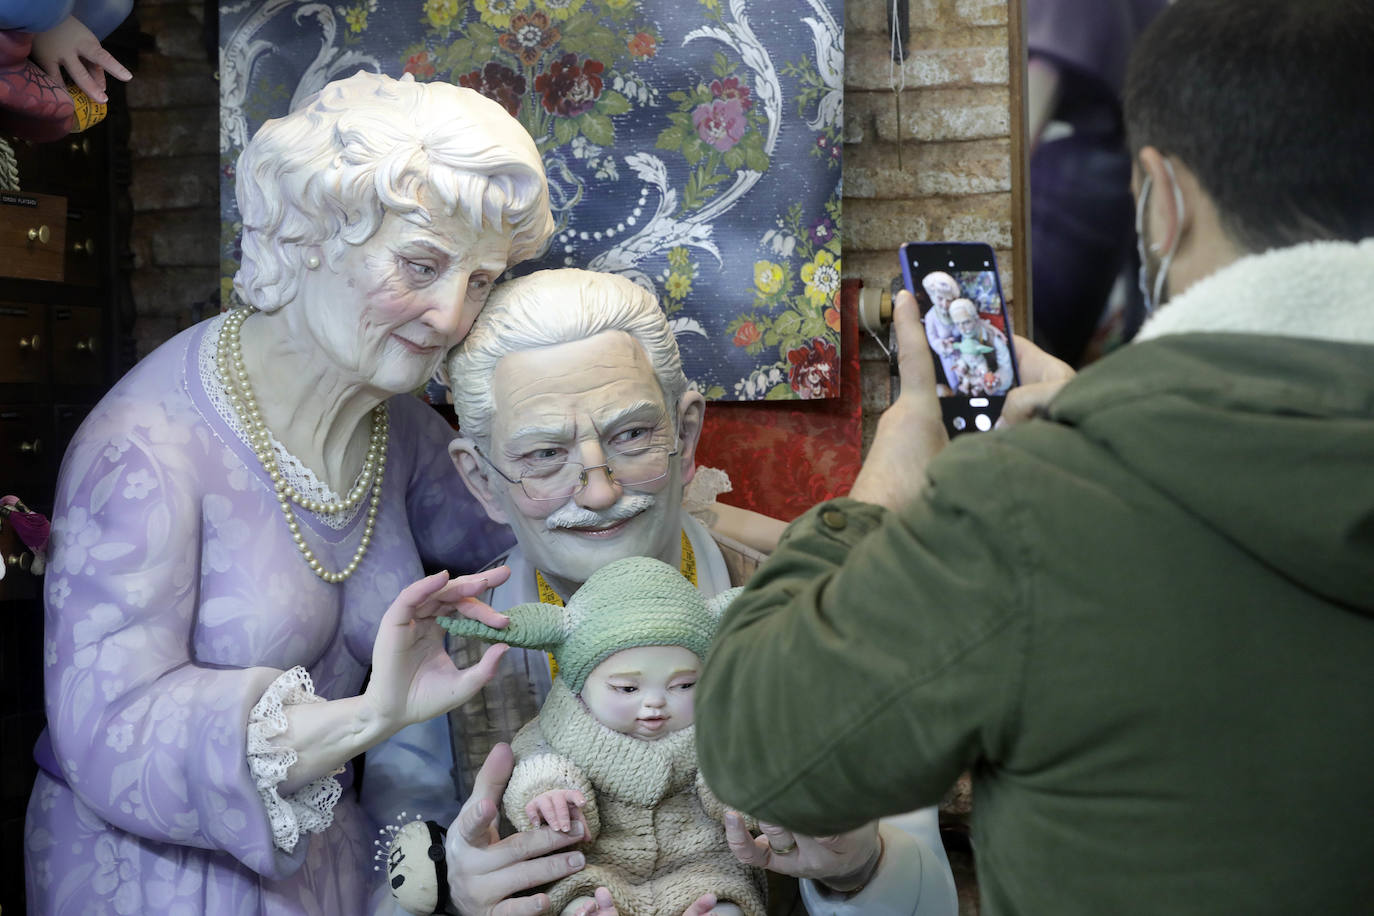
175	597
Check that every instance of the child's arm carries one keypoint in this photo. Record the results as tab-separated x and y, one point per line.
538	772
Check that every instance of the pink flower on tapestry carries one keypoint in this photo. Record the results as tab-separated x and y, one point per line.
568	88
719	123
746	334
498	83
642	45
728	89
813	370
420	65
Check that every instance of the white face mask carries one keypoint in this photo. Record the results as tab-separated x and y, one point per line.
1152	292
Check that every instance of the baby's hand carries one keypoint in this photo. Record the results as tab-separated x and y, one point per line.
703	905
558	808
602	905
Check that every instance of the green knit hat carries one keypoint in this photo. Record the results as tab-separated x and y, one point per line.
637	601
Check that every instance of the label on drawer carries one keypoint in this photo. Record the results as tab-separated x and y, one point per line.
18	200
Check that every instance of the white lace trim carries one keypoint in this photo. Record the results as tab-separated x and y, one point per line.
309	809
704	488
296	473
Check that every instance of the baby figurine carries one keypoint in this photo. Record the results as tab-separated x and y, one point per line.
971	367
614	745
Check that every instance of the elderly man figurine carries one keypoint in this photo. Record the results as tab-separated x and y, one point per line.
971	327
579	430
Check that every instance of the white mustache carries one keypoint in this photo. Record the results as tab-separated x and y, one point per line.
571	515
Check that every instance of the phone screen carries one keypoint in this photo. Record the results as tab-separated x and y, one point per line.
967	329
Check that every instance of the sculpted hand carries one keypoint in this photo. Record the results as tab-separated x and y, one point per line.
553	807
413	678
910	432
484	870
1042	375
843	862
704	904
603	905
70	45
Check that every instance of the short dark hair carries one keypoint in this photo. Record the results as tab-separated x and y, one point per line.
1268	102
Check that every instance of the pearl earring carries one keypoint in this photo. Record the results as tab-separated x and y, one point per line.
312	262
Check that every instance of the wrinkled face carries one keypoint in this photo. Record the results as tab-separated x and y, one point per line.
968	327
582	402
386	311
647	692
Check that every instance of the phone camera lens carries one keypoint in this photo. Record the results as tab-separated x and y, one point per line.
958	423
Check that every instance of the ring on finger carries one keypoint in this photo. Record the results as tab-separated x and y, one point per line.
789	848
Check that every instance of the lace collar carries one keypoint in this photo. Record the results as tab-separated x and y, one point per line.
296	473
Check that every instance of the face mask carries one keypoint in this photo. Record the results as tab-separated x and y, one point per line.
1152	292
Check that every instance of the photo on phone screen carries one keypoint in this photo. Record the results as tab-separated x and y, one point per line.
966	327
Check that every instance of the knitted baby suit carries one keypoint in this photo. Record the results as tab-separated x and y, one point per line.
654	835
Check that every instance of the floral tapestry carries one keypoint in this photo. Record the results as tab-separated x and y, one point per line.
691	145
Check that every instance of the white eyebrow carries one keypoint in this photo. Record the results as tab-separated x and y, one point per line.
539	432
639	410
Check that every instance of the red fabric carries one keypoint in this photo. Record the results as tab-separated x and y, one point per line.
32	106
783	457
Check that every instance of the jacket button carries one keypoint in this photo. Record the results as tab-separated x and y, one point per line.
834	519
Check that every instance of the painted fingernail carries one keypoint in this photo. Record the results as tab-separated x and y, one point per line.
576	860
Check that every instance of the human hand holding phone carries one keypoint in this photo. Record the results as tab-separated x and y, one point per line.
1042	375
911	431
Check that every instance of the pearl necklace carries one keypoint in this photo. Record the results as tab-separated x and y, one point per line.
229	356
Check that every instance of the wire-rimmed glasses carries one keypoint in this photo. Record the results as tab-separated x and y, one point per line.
629	468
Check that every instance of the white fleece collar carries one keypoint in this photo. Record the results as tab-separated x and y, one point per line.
1317	290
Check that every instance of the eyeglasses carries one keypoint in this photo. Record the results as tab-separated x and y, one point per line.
630	468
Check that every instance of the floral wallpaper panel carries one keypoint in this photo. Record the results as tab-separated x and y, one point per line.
691	145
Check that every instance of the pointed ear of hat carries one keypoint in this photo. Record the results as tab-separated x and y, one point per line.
719	603
532	626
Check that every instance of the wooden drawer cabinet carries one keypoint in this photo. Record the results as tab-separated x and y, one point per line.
78	353
84	258
24	343
26	446
33	236
18	583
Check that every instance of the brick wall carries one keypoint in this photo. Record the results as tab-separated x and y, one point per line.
943	170
174	142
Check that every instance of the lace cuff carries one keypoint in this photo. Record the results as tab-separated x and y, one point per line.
309	809
701	493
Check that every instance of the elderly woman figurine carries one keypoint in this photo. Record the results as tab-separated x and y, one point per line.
234	518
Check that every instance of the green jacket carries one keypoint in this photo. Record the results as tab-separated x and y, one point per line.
1143	624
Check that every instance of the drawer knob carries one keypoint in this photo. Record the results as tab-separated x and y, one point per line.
41	235
22	561
31	448
81	146
87	247
86	346
30	343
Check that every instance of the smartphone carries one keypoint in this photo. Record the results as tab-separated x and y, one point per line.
967	329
